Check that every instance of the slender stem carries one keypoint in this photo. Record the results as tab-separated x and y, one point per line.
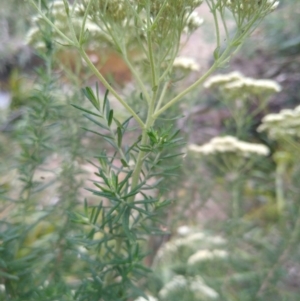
162	95
141	156
187	90
213	11
84	21
52	24
109	87
221	60
169	67
127	61
159	14
236	199
137	77
224	23
280	200
152	64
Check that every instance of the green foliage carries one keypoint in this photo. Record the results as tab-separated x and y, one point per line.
58	242
119	223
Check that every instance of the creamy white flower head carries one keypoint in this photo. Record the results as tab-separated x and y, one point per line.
186	63
285	123
201	290
150	298
193	22
195	236
235	83
205	255
92	27
57	5
254	86
194	284
31	35
229	144
178	282
267	85
221	79
197	3
184	230
216	240
248	9
273	4
273	118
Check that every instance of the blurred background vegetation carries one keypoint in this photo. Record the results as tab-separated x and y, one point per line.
207	254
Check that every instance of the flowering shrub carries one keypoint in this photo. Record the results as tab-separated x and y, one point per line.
93	248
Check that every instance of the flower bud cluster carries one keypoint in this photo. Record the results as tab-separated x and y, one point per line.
236	84
130	16
247	9
285	123
58	16
229	144
193	22
113	10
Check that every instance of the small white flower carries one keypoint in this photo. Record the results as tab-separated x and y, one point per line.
221	79
205	255
285	123
236	83
186	63
198	286
184	230
193	22
229	144
194	284
178	282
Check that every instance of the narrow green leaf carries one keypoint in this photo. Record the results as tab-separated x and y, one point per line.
132	193
146	201
103	194
125	223
66	7
106	218
97	214
124	163
139	209
122	183
88	92
86	111
216	53
96	122
163	203
126	122
119	136
111	142
103	176
8	276
118	123
85	207
102	188
105	100
107	109
110	117
114	180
